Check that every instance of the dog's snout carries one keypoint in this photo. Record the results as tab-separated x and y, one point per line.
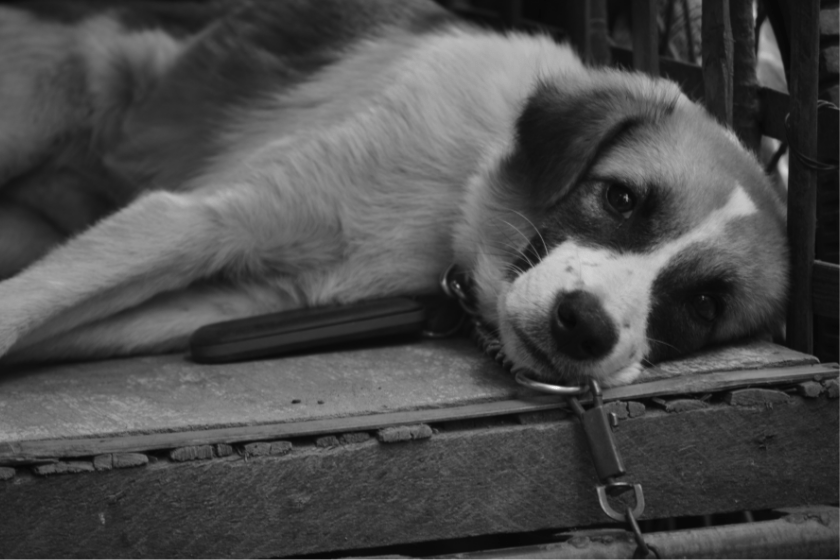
581	326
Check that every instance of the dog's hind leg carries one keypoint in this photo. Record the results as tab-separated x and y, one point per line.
162	324
159	243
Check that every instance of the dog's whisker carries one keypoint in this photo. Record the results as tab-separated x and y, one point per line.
663	343
516	229
536	229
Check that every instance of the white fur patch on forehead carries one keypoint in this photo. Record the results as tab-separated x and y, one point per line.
621	281
738	205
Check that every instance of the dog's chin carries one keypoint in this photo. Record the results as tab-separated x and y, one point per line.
548	366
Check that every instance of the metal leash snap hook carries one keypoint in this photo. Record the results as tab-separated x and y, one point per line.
616	488
598	426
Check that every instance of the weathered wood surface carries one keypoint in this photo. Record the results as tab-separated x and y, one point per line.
170	393
166	401
461	482
193	444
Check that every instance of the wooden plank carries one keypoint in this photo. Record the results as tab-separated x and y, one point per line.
645	36
500	479
745	105
825	289
717	59
160	423
802	184
168	394
23	452
757	355
712	382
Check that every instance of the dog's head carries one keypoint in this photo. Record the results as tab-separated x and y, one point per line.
621	226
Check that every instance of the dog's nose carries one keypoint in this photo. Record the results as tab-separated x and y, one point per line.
581	326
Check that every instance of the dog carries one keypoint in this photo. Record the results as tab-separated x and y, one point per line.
157	177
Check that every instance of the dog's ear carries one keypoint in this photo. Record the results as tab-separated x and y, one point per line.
561	131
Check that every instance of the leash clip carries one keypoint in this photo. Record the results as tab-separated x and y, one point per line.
598	426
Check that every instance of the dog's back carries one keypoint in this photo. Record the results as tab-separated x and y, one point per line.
95	97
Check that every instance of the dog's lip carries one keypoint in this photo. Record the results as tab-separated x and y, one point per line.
536	352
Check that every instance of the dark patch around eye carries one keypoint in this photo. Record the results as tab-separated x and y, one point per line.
646	227
674	326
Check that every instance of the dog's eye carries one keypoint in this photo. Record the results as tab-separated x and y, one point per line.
621	199
705	306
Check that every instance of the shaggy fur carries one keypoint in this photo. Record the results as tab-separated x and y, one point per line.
298	153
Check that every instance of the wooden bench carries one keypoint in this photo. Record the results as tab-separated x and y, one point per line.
370	447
